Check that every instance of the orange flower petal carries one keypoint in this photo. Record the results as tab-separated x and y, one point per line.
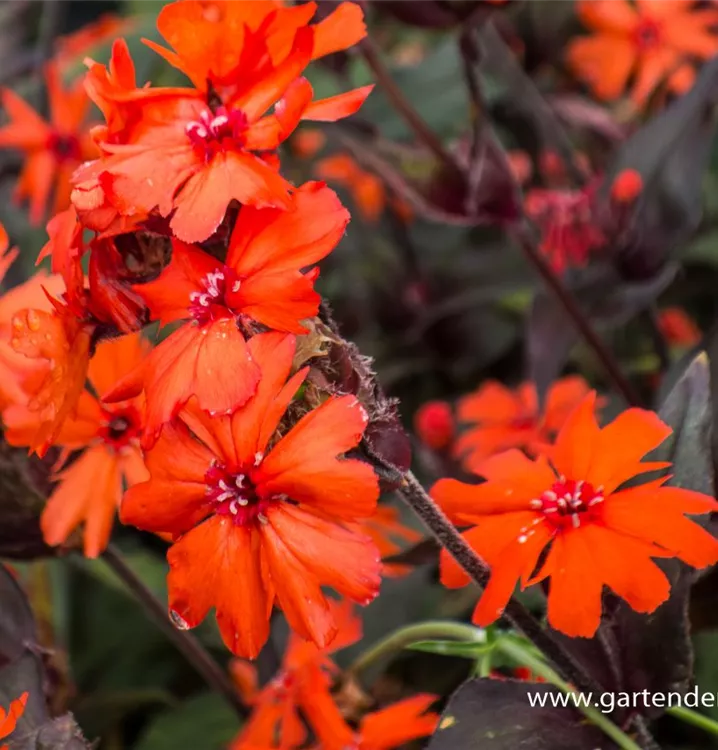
8	720
492	403
655	514
574	601
399	723
607	15
230	175
516	560
337	107
174	498
318	544
254	424
576	442
298	590
89	491
342	28
620	446
653	68
277	240
217	564
603	62
209	362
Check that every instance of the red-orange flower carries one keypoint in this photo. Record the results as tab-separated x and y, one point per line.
52	149
511	419
648	41
90	488
301	688
190	152
9	718
259	282
597	533
678	328
258	522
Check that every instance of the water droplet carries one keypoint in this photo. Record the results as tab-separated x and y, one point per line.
178	621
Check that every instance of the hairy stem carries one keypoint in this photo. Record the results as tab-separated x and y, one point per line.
521	235
185	641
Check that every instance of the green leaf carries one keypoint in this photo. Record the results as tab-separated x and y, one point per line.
204	721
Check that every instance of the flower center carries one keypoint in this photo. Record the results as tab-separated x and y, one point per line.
566	501
234	494
214	128
64	147
648	35
120	427
524	422
210	302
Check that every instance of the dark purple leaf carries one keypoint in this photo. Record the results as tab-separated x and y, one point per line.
22	671
485	714
23	484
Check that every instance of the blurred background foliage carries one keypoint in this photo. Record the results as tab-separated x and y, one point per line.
441	307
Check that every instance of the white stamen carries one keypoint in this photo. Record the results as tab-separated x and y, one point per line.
233	508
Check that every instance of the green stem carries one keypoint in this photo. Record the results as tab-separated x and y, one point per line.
524	656
423	631
694	718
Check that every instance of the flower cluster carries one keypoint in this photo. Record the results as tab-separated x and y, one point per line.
177	370
218	436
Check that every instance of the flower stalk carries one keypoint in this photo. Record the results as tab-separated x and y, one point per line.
185	641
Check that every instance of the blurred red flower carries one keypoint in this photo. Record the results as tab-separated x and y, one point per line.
678	328
648	41
511	419
434	424
53	149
